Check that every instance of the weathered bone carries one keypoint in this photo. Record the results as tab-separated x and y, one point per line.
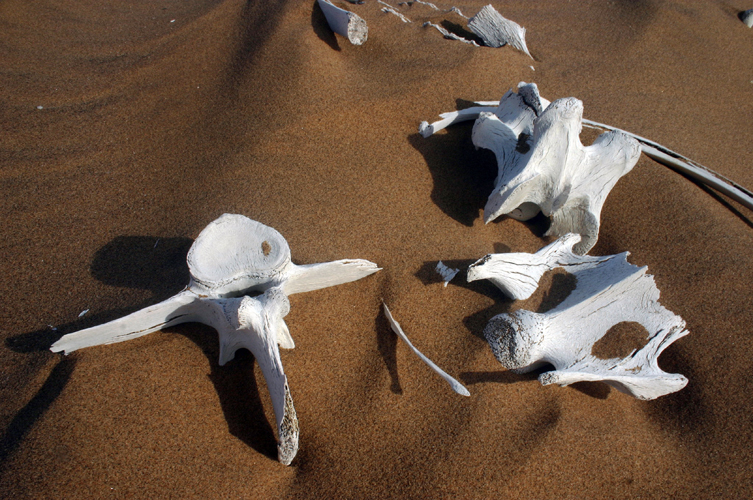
542	163
653	150
518	274
234	256
609	291
345	23
496	31
456	386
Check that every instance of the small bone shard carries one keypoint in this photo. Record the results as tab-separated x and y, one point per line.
747	17
496	31
446	273
345	23
609	291
456	386
232	257
449	35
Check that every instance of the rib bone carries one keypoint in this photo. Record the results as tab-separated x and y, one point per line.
232	257
609	291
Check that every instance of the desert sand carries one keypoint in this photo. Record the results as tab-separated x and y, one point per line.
126	127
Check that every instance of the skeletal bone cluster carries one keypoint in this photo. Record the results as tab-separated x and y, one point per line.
609	291
232	258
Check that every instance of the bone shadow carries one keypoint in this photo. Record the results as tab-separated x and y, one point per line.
321	27
685	410
142	262
159	265
387	345
35	408
237	390
463	176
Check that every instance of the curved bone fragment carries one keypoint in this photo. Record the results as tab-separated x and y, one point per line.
747	17
497	31
543	163
609	291
232	257
456	386
345	23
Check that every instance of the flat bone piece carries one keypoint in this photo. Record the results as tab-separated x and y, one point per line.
345	23
543	165
497	31
747	17
447	273
234	256
456	386
609	291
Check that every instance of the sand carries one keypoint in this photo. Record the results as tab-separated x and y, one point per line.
126	127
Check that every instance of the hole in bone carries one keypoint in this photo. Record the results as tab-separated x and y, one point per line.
621	340
523	146
554	287
266	248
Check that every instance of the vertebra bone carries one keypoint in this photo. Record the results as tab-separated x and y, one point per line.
231	257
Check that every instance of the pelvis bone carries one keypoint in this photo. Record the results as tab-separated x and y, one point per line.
609	291
232	257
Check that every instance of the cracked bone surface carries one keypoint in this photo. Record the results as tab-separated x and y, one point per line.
609	291
345	23
497	31
232	257
544	166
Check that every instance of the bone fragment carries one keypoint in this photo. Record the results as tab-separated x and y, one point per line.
449	34
446	273
232	257
496	31
345	23
747	17
456	386
518	274
389	10
542	163
609	291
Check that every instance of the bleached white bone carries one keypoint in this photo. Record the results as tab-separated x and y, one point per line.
609	291
657	152
234	256
496	31
449	34
542	164
456	386
345	23
389	10
747	18
518	274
